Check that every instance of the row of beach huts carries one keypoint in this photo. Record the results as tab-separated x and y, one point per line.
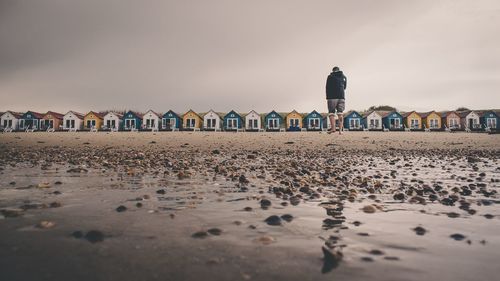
470	120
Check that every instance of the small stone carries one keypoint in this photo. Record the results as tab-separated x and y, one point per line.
46	224
247	209
121	208
77	234
287	217
215	231
265	240
94	236
399	196
376	252
265	203
453	215
369	209
391	258
420	230
200	234
58	183
161	191
138	205
44	185
273	220
55	205
457	236
489	216
215	151
367	259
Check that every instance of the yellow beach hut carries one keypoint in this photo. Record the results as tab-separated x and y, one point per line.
293	121
412	120
431	120
93	120
191	121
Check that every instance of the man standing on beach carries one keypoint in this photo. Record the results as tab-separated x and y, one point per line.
336	83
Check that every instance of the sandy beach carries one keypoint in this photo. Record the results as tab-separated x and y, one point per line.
249	206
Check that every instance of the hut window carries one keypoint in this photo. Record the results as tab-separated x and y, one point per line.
491	122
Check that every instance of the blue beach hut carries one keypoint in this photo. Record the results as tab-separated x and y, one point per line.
232	121
393	121
171	121
132	121
273	121
489	120
353	121
313	121
30	121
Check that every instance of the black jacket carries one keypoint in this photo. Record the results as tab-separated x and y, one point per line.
335	85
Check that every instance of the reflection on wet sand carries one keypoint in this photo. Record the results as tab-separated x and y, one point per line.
235	213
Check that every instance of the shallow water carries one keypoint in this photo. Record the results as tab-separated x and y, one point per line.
155	241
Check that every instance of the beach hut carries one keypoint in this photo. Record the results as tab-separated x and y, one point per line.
73	121
372	120
450	120
273	121
171	121
253	121
30	121
212	121
93	120
353	121
489	120
151	120
10	120
132	121
412	120
232	121
293	121
112	121
431	120
392	120
313	121
470	120
51	121
191	121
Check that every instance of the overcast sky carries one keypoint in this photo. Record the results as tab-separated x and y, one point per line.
261	54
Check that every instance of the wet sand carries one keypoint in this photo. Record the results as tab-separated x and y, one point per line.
249	206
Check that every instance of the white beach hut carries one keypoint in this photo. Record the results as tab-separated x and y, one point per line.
151	120
253	121
373	121
112	121
10	121
471	120
212	121
73	121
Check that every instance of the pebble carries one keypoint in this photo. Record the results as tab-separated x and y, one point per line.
457	236
94	236
265	240
420	230
121	208
200	234
287	217
273	220
215	231
265	203
248	209
369	209
45	224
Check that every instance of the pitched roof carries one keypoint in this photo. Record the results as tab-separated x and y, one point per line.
157	114
463	114
173	112
55	114
77	114
117	114
198	115
425	114
17	115
138	114
37	115
406	114
97	114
